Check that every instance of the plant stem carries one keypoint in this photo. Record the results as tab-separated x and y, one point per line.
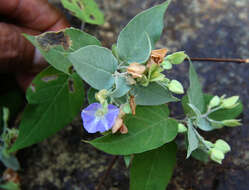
238	61
107	173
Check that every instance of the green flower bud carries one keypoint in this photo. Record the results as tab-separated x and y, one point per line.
210	144
215	101
222	146
101	95
166	65
230	103
176	87
182	128
217	155
126	108
176	58
232	122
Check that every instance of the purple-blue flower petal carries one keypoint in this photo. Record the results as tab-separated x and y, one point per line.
93	123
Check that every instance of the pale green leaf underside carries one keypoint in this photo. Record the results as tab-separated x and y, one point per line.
150	128
193	141
132	45
195	94
121	87
96	65
152	170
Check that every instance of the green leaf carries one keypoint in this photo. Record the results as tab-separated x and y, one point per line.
127	160
10	161
138	51
201	122
121	87
154	94
150	128
193	141
195	94
55	46
86	10
152	170
132	45
42	120
10	186
96	65
200	155
91	95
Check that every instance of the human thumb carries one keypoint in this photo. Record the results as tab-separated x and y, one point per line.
16	53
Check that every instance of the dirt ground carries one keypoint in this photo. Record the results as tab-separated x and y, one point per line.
203	28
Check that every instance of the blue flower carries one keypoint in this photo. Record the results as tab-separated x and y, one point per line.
98	119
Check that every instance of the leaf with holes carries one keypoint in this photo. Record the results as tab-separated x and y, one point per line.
45	118
86	10
55	46
153	169
150	128
132	44
96	65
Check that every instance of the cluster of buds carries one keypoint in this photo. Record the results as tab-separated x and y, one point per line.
218	150
225	103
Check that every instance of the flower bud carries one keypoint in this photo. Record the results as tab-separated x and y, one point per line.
101	95
230	103
166	65
126	108
208	143
217	155
176	58
136	70
231	122
182	128
176	87
215	101
222	146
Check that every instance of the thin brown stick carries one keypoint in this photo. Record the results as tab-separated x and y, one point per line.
107	173
239	61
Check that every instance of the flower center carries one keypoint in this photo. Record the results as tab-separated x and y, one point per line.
100	113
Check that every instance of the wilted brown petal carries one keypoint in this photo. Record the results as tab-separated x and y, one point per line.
133	105
157	56
118	124
123	129
136	70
